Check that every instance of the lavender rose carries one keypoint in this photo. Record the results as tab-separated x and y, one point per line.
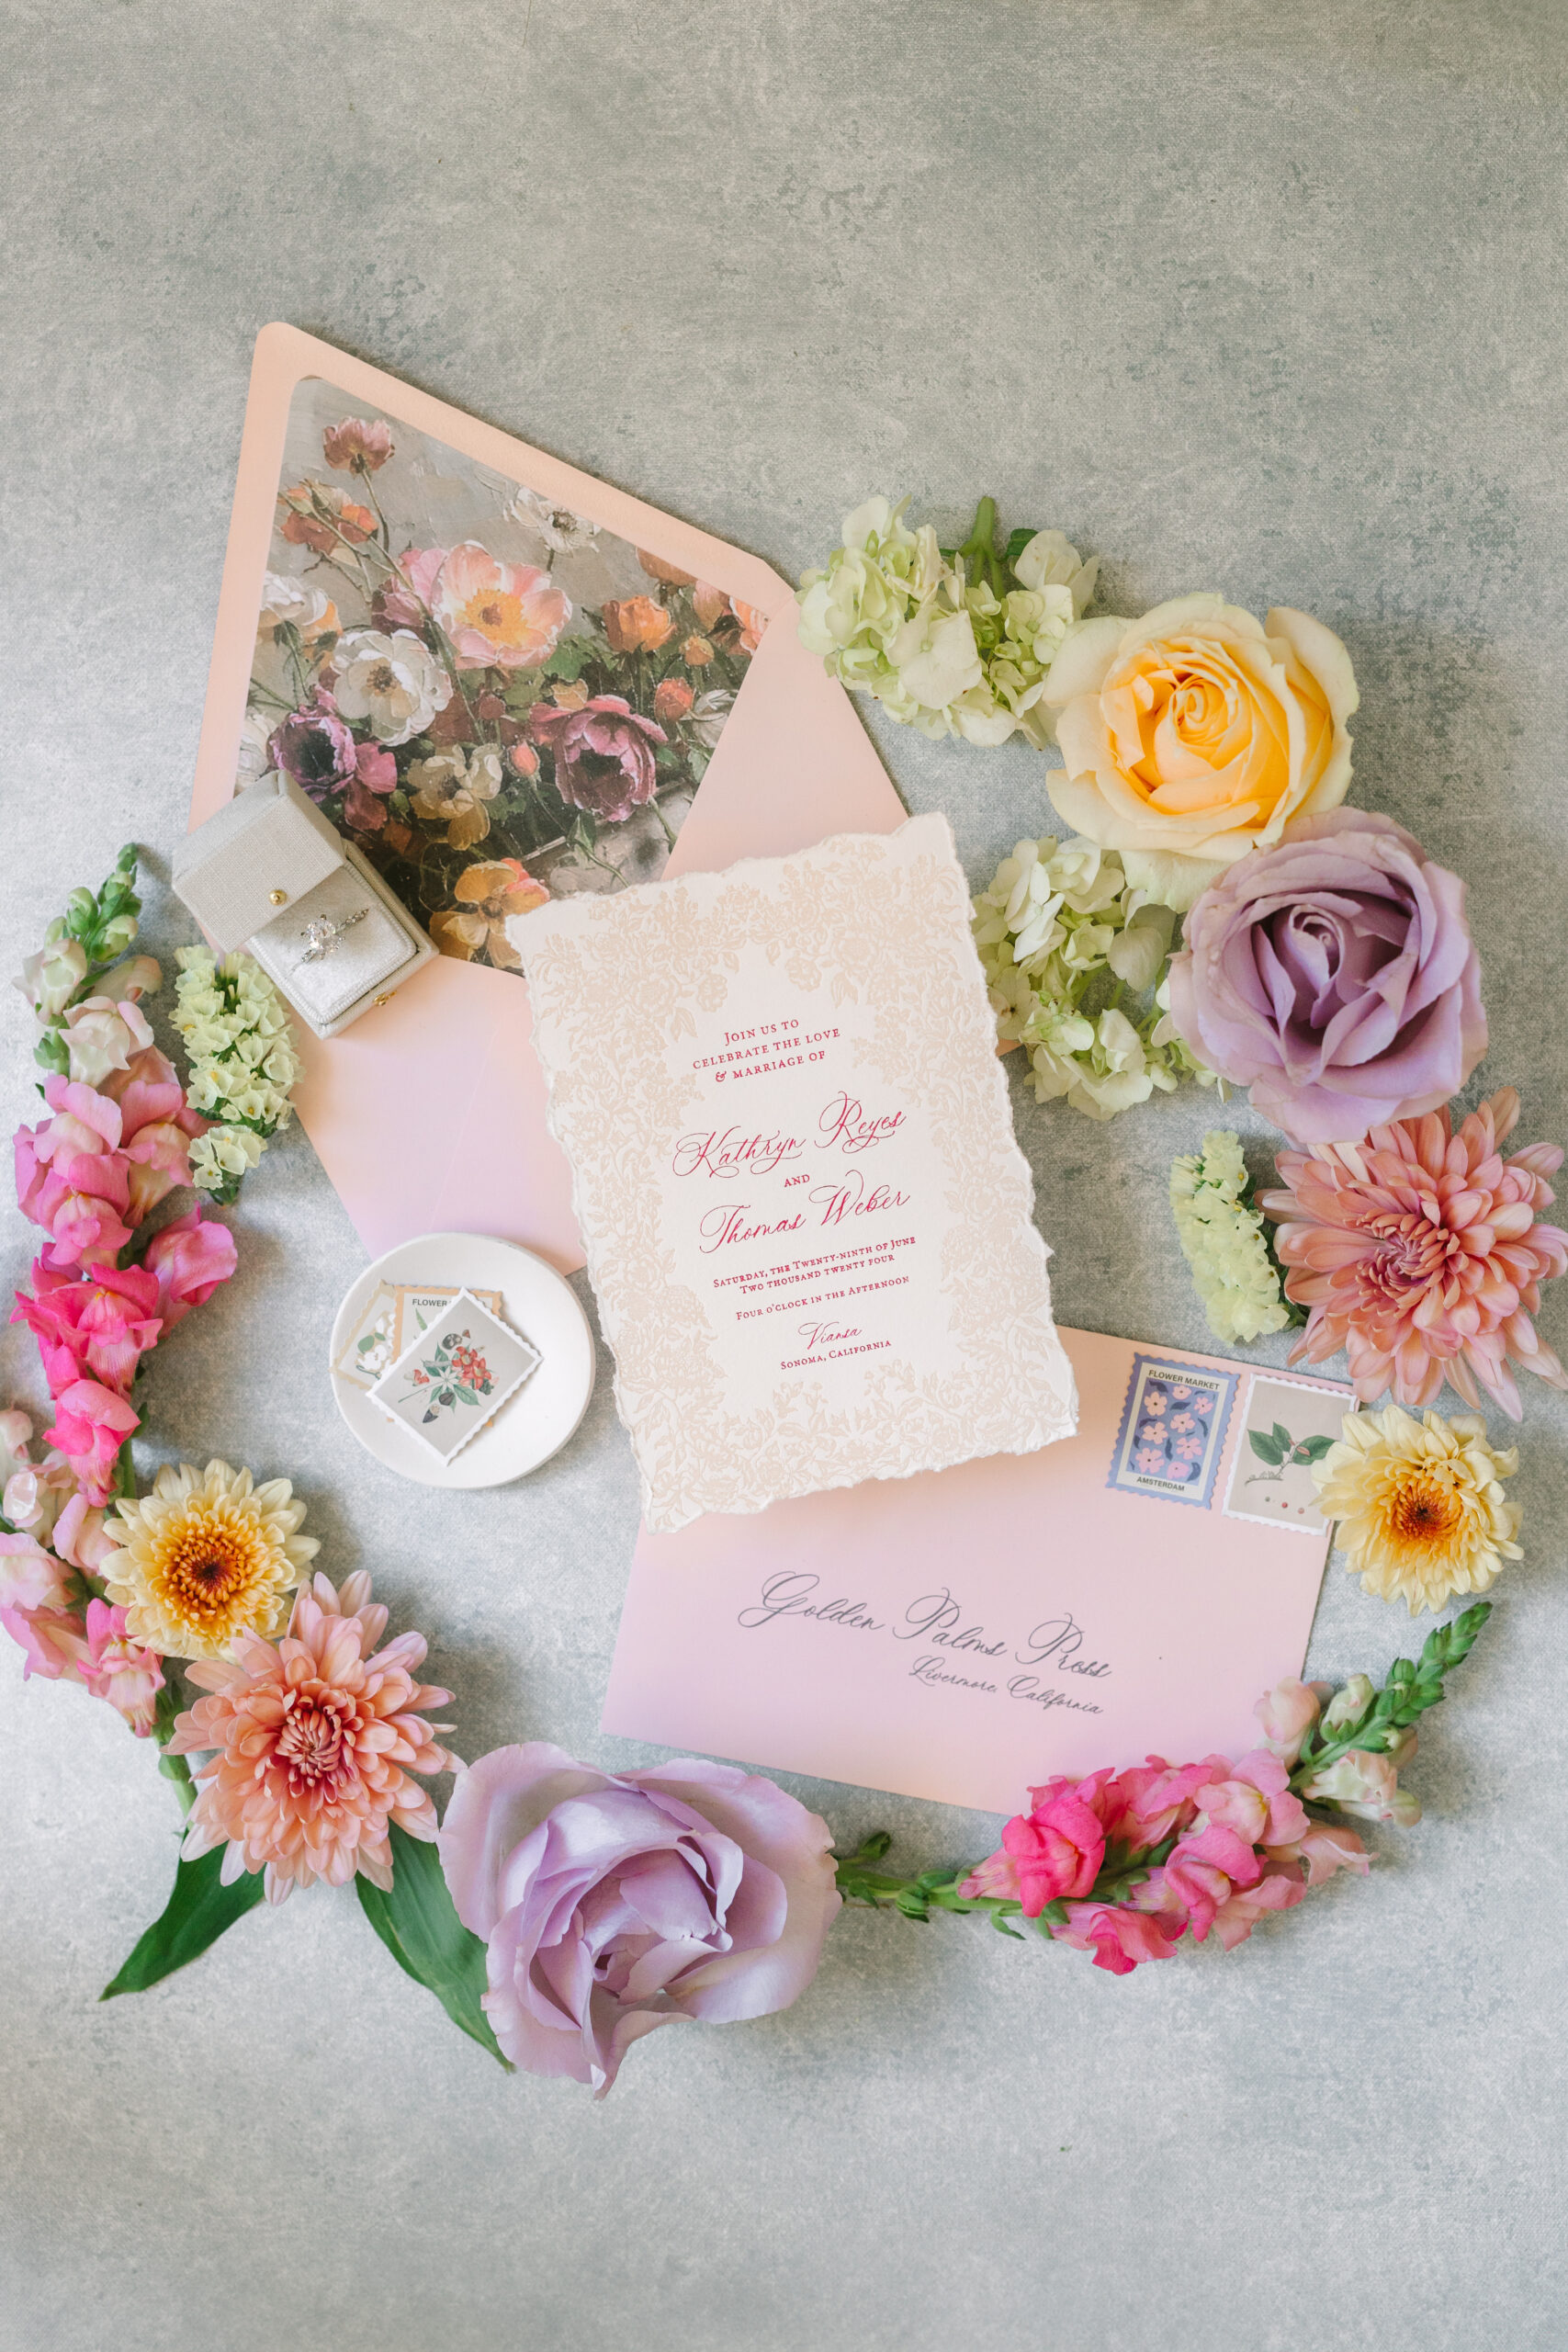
615	1903
1334	975
603	754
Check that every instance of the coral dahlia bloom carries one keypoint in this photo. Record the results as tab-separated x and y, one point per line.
508	614
206	1559
1419	1252
313	1741
1421	1511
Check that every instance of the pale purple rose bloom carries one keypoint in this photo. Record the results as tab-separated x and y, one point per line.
615	1903
1334	974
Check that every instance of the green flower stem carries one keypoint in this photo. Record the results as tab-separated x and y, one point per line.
1412	1687
174	1768
937	1890
978	552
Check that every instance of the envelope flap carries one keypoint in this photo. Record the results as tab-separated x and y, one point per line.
264	850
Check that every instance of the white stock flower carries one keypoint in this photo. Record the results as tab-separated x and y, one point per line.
1222	1239
222	1154
242	1062
392	684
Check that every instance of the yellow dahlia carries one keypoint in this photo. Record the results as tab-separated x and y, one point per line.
205	1558
1422	1513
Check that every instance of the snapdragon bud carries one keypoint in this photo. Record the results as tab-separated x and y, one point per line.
1350	1704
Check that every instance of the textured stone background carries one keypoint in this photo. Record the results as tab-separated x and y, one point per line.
1242	296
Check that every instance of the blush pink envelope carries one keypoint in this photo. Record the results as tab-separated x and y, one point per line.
428	1114
966	1633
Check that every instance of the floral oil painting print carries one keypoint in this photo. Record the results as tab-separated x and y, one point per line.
493	698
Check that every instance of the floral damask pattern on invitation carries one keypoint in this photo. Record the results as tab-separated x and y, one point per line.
866	937
498	701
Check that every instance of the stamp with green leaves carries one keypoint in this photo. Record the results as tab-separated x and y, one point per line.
454	1376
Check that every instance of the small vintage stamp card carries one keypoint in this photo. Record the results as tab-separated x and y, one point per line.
373	1343
420	1304
454	1376
1285	1430
1173	1431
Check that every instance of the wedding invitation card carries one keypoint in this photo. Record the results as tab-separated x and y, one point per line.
807	1217
964	1636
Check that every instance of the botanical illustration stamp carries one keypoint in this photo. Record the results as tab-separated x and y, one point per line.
455	1376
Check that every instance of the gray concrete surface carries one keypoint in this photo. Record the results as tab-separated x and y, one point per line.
1264	299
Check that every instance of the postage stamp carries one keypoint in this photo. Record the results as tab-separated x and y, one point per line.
1286	1428
419	1305
455	1377
1173	1431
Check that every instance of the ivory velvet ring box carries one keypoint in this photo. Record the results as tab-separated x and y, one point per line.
269	873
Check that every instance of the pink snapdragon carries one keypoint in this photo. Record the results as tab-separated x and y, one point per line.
101	1036
1367	1786
91	1424
1287	1713
30	1577
80	1537
1058	1847
120	1670
189	1259
1203	1849
97	1327
72	1177
34	1495
53	1642
1119	1938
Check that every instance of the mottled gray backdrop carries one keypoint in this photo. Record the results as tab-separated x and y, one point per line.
1243	296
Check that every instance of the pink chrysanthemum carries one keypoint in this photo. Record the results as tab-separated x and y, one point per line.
1419	1252
314	1742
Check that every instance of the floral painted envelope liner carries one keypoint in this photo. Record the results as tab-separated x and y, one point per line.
495	699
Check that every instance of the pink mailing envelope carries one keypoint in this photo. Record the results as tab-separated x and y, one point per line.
966	1633
556	591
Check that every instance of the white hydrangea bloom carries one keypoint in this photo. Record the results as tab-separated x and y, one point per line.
1068	948
942	652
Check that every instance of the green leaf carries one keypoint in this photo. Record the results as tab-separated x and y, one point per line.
566	660
1017	541
1267	1449
1283	1436
1313	1449
466	1397
197	1912
420	1927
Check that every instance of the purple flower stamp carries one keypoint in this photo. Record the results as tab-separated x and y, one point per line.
1173	1431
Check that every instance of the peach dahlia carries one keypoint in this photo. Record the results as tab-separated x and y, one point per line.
1417	1250
312	1741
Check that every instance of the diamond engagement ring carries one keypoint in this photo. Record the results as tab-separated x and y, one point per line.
323	935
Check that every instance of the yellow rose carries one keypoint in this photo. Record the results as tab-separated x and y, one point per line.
1197	733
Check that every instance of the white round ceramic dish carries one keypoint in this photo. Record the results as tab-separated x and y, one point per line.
532	1425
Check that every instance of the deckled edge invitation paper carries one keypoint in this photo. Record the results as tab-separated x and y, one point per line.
820	1022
